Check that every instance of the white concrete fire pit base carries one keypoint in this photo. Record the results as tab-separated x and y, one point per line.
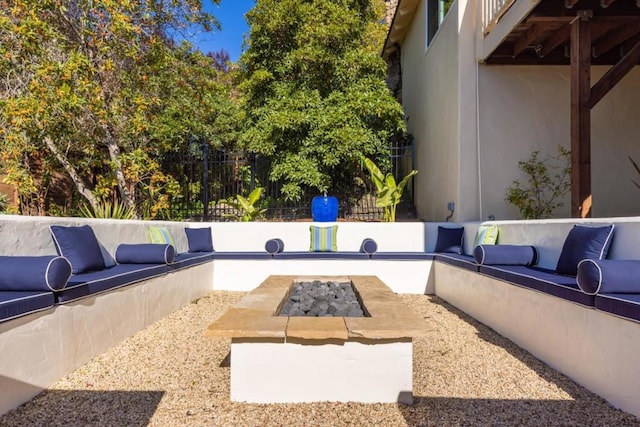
315	372
279	359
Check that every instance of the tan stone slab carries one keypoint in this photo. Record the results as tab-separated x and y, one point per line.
321	278
253	316
317	328
378	298
387	328
369	283
247	323
283	282
389	309
266	300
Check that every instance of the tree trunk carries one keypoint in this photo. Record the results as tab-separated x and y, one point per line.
128	197
82	189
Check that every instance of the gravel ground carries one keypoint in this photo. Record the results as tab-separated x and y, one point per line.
171	375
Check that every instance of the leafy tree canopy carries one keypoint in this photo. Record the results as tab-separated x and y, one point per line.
315	95
99	89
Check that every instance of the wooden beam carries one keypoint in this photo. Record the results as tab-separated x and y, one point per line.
580	117
601	19
629	44
555	19
570	3
614	75
527	38
614	38
559	37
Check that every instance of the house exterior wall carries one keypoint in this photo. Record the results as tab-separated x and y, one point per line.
469	184
473	123
527	108
615	134
522	109
430	97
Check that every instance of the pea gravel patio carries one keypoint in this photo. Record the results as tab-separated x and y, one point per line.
170	374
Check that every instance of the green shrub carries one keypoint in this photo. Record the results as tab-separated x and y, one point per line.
548	181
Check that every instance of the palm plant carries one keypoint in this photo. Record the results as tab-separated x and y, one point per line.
105	209
246	206
389	193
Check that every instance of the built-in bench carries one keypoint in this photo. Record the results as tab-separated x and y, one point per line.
48	334
594	339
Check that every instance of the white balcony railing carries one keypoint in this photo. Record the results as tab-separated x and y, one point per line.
492	10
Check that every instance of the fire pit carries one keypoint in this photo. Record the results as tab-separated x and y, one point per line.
281	359
322	299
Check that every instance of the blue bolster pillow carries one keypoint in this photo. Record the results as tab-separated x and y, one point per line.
369	246
274	246
34	273
601	276
145	253
505	255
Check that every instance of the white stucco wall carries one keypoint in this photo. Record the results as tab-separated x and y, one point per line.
439	87
615	134
527	108
522	109
469	186
430	97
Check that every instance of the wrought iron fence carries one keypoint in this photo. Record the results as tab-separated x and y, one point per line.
210	179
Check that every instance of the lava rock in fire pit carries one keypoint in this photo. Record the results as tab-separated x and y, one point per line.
322	299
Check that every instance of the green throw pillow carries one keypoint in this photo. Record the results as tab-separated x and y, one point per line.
486	235
323	239
161	235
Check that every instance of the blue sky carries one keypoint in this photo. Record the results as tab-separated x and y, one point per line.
230	13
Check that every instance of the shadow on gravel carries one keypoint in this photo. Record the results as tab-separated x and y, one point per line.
86	408
540	368
444	411
226	362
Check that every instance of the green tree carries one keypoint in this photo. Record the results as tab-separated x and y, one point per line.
100	89
315	95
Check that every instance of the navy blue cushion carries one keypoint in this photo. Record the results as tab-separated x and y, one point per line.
403	256
582	243
369	246
243	255
188	259
199	239
624	305
321	255
458	260
33	273
450	240
505	255
80	246
273	246
609	276
145	253
15	304
540	279
95	282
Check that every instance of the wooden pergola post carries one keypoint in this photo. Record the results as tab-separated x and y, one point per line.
581	115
